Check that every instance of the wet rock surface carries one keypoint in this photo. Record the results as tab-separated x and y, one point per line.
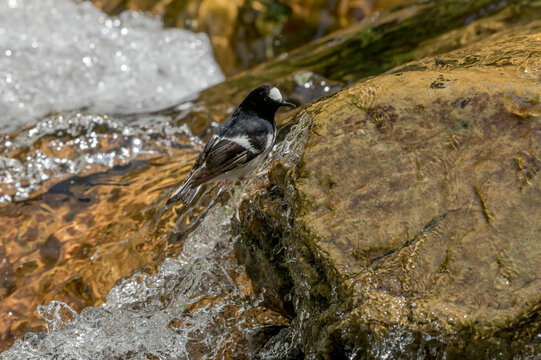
406	222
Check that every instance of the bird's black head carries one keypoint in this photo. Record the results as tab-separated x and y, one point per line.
264	101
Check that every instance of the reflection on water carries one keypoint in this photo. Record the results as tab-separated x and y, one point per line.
88	223
74	241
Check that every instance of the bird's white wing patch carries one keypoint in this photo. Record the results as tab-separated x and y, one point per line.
243	141
275	95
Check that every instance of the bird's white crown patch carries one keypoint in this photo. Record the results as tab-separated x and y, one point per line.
275	95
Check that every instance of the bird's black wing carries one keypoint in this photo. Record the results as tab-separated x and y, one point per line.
204	153
227	127
228	154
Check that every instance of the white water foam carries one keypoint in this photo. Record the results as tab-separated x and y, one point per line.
159	316
58	55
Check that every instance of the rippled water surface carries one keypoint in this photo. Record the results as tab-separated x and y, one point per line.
83	187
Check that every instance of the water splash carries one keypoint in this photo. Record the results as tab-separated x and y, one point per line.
310	87
198	305
79	144
58	55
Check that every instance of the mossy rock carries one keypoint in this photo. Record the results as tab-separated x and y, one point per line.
407	218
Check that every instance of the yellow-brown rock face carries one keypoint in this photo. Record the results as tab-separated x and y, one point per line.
414	206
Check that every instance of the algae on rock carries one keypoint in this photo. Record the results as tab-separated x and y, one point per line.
408	223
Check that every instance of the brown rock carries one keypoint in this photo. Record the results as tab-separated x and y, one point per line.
409	220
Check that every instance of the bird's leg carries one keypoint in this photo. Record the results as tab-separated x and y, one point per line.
256	175
233	200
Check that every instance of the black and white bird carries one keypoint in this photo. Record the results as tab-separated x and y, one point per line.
238	146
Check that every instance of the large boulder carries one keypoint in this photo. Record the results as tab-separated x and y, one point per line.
402	217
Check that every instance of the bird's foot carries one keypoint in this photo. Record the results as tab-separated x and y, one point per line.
237	213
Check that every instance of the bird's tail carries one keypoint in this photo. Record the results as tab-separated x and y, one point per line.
186	192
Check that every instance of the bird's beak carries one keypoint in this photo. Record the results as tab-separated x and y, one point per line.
285	103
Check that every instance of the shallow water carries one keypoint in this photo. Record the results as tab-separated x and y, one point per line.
82	199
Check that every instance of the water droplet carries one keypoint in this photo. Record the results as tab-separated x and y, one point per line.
87	60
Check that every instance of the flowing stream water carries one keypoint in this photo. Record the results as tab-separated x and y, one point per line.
82	194
198	305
